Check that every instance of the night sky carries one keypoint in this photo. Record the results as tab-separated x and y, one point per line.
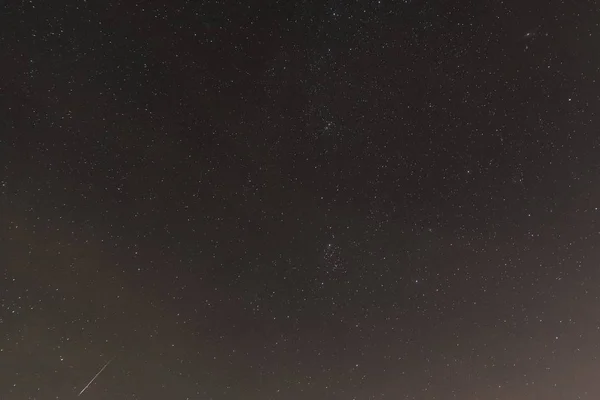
352	200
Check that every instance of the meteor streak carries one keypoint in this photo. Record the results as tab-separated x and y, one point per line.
95	376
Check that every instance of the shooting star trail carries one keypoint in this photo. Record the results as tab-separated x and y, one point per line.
95	376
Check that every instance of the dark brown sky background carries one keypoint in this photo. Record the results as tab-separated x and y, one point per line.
300	200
